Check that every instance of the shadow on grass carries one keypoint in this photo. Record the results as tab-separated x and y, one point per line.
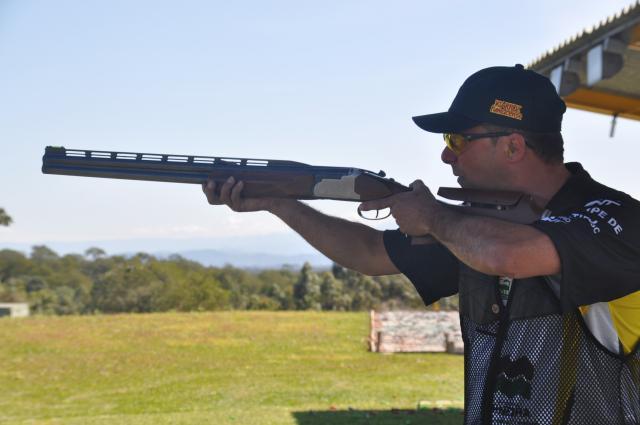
448	416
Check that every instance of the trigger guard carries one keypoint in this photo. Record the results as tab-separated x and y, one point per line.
376	217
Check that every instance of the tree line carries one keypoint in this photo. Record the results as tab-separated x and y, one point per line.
96	283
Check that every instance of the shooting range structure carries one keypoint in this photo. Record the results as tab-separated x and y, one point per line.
415	332
598	70
14	310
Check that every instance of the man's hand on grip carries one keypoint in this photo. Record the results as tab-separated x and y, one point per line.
413	211
231	195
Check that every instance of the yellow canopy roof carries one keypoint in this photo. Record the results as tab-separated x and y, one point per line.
599	69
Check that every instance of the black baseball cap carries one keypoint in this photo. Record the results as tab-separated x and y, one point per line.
506	96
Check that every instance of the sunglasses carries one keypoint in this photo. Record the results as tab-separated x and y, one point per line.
457	142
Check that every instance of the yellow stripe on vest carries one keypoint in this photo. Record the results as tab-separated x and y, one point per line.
625	313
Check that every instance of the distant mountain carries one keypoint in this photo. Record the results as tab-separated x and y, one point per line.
251	260
264	251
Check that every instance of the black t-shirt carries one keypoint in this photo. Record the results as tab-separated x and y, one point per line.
595	229
431	268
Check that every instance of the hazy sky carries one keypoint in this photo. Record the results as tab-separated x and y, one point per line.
327	83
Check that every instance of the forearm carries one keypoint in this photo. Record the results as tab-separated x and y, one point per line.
350	244
495	247
488	245
345	242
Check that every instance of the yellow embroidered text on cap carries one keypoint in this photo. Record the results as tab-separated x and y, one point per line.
508	109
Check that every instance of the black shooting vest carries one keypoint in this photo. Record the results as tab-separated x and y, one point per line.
527	363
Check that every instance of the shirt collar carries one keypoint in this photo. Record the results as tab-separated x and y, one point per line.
575	190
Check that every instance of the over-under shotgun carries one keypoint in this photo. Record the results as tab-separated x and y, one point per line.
273	178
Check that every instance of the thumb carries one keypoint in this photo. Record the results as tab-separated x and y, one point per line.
418	185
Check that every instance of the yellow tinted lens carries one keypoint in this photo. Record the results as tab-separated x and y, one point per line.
455	142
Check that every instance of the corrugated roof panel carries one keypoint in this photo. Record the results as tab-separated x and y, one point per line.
620	93
586	36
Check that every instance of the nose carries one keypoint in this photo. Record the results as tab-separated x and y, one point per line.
447	156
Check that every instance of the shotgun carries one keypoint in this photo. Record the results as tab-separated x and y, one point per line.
274	178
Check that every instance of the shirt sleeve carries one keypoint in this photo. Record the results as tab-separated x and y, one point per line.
599	251
431	268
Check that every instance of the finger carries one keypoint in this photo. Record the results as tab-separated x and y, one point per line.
235	195
418	187
209	189
378	204
209	186
225	191
418	184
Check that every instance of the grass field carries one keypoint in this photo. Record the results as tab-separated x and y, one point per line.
300	368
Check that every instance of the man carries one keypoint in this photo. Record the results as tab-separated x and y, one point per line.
550	312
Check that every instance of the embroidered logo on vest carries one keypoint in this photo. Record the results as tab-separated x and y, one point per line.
514	377
508	109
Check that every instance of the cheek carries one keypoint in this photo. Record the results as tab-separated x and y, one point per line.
470	164
478	171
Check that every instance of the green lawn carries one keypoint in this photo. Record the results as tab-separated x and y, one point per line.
300	368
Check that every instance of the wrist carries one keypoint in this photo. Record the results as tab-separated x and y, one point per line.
277	206
438	219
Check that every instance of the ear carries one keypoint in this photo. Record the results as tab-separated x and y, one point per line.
514	147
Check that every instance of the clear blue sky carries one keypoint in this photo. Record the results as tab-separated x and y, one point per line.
328	83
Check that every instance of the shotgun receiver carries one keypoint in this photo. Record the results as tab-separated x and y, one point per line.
272	178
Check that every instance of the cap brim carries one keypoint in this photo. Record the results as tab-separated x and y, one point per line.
444	122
